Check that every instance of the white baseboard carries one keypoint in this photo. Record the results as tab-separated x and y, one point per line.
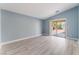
4	43
72	38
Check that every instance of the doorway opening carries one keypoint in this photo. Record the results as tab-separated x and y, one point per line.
58	28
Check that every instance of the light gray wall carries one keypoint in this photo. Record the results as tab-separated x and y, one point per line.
78	22
0	25
45	27
72	21
16	26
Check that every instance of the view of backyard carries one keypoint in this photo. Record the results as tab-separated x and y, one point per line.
58	27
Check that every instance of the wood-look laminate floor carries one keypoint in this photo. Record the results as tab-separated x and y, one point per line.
43	45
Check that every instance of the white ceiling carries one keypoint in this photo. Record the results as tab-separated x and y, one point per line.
39	10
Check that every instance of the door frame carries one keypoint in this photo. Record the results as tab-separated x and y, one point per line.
57	20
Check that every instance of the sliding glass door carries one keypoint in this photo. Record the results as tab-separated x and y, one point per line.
58	28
